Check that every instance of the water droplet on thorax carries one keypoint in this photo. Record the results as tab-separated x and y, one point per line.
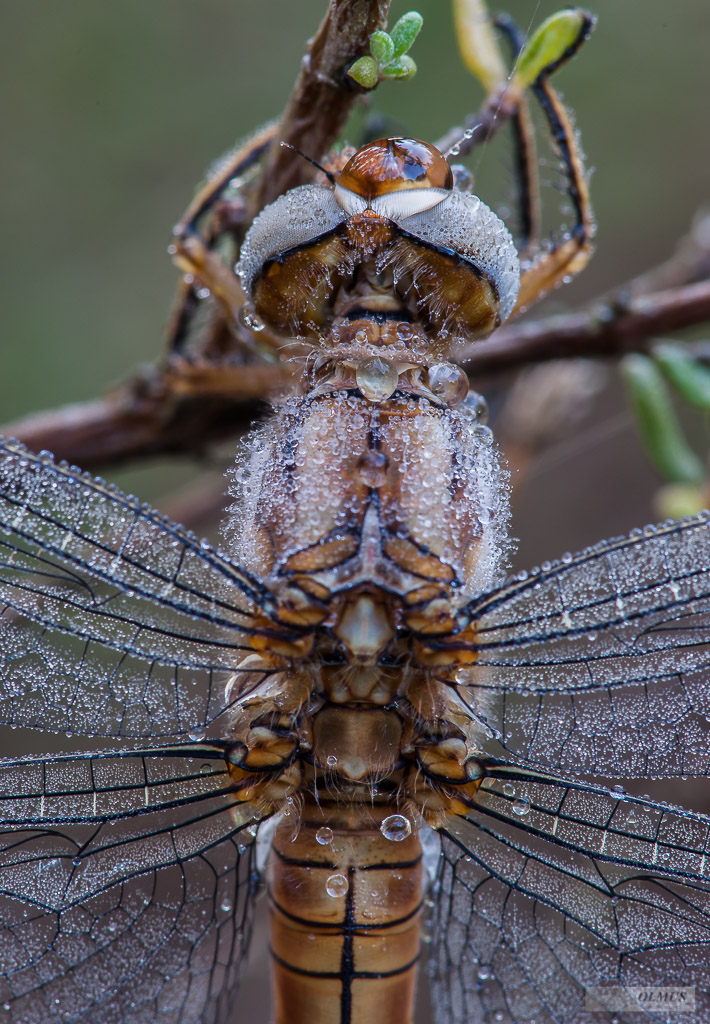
448	382
372	469
324	836
377	379
475	406
396	827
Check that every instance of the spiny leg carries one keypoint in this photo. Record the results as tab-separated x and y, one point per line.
194	250
527	180
571	253
527	183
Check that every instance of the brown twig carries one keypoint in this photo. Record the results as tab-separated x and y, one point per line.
183	407
322	97
479	129
174	409
608	328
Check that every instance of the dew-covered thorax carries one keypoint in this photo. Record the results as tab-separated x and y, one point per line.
406	495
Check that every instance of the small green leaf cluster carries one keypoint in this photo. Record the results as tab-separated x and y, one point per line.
388	53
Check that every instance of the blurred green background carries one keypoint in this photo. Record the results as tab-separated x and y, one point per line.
113	111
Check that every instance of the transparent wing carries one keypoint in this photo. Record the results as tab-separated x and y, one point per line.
601	659
127	884
146	621
556	899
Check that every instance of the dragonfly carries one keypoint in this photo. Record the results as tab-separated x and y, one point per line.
349	703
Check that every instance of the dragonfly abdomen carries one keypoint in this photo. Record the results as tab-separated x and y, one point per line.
345	889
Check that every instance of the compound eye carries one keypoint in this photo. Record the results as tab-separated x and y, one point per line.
390	165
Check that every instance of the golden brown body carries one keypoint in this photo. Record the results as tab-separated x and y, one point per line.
371	515
345	917
374	508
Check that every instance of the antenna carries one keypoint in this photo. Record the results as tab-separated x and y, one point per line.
329	174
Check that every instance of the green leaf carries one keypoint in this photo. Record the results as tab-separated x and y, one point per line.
405	31
382	47
685	373
549	44
402	68
365	72
660	431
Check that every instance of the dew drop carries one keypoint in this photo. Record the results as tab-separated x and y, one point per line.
396	827
196	735
377	379
448	382
76	861
484	972
331	760
250	320
463	178
372	469
521	806
226	905
336	885
324	836
509	789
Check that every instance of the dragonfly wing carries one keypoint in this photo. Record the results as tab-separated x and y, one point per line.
600	661
556	900
115	621
127	886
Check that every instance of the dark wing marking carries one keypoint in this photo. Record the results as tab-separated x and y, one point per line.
552	894
609	651
127	883
147	622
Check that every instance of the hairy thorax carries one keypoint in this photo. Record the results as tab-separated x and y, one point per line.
372	522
